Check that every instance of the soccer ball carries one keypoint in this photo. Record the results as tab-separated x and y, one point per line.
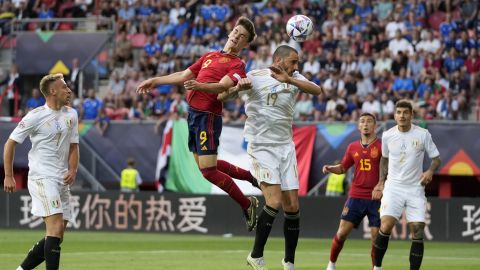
299	27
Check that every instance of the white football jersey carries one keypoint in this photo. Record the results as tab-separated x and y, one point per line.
51	133
270	106
405	152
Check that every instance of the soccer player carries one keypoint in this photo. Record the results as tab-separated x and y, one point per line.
270	108
365	155
402	181
53	162
215	72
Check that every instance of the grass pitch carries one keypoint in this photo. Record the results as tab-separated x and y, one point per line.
122	251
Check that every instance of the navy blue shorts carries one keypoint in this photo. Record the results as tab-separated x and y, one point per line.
355	210
204	129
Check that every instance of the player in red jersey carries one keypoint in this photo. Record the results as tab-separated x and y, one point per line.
365	154
214	73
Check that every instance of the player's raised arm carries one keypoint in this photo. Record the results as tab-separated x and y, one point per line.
232	92
223	85
9	184
306	86
174	78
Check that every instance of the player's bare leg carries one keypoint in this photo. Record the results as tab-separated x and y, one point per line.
416	250
208	167
195	156
273	202
291	226
343	231
381	241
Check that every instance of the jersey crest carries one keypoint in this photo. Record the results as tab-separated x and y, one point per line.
374	152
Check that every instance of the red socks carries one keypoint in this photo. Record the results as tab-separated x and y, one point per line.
234	171
337	246
226	183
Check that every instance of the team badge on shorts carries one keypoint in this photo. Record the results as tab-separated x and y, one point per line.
374	152
56	203
345	211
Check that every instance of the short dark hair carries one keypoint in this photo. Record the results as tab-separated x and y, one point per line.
369	114
47	81
283	51
249	26
403	103
131	162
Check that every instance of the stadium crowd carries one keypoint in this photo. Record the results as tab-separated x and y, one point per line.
365	53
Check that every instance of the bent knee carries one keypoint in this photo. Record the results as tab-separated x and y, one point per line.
274	203
291	207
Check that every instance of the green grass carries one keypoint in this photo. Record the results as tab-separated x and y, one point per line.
99	250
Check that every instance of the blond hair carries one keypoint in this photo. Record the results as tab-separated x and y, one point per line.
47	81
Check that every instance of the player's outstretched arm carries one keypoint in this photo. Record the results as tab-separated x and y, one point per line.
427	176
73	158
336	169
174	78
223	85
9	184
232	92
306	86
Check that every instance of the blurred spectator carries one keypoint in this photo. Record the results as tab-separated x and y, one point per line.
312	65
335	107
102	122
472	66
73	77
36	100
91	106
403	86
415	66
371	105
386	108
428	44
447	107
13	89
452	62
399	44
364	86
130	178
383	10
304	108
394	26
384	62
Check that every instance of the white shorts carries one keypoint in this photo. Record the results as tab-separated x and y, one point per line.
49	197
274	164
397	198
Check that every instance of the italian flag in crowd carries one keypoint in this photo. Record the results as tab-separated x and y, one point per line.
183	174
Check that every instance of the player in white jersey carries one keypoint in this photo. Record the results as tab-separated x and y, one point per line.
403	181
270	107
53	163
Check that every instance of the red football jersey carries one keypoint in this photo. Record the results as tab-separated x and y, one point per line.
211	68
367	163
